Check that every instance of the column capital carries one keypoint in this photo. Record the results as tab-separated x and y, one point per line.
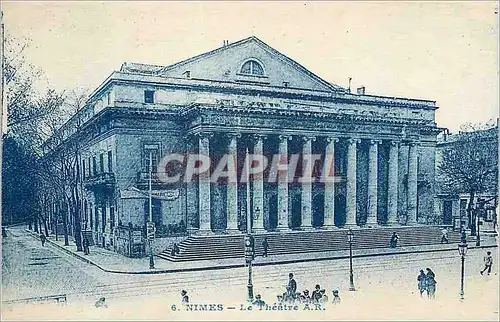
353	140
203	135
395	142
373	142
258	136
332	139
284	137
306	138
413	143
231	135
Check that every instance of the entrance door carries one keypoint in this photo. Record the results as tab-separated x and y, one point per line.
273	212
447	212
318	210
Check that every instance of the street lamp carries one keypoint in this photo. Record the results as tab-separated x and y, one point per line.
150	226
250	241
462	250
350	236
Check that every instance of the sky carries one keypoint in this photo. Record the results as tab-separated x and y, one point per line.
443	51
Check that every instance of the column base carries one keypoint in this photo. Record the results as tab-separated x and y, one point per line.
329	227
391	224
259	230
233	231
204	232
306	228
371	225
350	225
283	229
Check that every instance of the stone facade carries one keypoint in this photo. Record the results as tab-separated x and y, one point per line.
242	97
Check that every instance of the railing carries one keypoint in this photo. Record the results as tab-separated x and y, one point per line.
51	298
100	179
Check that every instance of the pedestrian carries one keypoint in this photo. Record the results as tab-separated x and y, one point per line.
43	239
430	283
336	297
265	247
291	287
444	236
259	301
394	240
101	302
175	249
316	294
421	278
304	297
86	246
488	262
463	236
324	298
185	297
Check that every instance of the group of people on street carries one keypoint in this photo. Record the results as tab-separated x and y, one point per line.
318	296
427	283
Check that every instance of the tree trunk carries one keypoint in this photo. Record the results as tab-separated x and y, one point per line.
76	220
472	214
35	224
45	226
65	226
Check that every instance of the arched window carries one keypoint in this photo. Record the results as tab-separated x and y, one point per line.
252	67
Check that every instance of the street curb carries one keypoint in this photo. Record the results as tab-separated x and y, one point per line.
229	266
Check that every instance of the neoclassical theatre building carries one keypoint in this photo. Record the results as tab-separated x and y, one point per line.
248	96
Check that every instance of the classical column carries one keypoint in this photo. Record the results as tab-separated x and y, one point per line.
329	179
351	182
392	194
258	187
306	192
371	219
412	183
283	184
204	184
232	187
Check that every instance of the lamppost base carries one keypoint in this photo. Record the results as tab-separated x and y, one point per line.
352	288
151	262
250	292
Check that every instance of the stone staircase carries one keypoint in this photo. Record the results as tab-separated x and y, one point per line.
214	247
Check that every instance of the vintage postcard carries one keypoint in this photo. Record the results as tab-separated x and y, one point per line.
284	160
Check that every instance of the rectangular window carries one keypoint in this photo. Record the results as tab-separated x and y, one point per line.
103	225
112	216
83	169
110	161
96	214
109	99
153	150
90	167
94	165
101	162
91	219
149	96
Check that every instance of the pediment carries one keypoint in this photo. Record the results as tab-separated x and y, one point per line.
248	61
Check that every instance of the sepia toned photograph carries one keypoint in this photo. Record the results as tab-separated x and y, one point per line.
250	160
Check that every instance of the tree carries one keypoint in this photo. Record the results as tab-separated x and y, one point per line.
470	164
28	108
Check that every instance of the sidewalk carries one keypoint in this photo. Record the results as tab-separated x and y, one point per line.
112	262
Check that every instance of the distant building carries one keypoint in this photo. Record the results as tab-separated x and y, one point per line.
452	207
246	95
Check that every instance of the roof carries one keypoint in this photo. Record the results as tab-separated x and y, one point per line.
158	70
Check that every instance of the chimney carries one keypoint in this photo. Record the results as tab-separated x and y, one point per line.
361	90
349	89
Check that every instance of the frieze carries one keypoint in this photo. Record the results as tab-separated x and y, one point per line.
326	109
